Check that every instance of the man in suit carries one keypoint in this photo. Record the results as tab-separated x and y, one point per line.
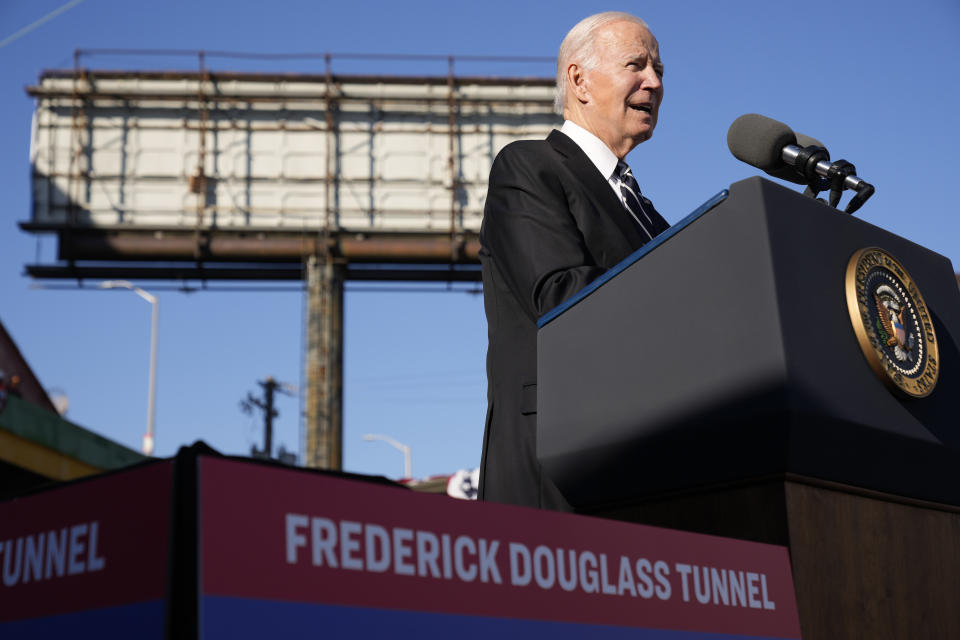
559	213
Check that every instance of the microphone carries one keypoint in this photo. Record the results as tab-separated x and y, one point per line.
773	147
787	172
759	141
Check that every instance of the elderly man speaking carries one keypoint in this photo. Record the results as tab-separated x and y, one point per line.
559	213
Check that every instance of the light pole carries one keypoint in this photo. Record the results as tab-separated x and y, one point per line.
152	397
407	473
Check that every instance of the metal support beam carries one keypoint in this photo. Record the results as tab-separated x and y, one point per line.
183	272
227	246
324	363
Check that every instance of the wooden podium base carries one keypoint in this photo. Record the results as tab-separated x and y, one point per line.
865	564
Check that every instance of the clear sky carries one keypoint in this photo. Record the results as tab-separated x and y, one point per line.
875	80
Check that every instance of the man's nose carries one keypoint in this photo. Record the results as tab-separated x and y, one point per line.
651	80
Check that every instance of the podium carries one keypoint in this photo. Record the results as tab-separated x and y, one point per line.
715	381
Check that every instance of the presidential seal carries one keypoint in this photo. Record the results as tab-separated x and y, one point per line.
892	323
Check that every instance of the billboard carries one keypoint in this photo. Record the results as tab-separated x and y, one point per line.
230	151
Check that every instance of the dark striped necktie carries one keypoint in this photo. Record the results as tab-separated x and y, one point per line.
649	220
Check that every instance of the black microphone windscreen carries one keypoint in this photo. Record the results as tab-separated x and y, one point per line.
807	141
759	140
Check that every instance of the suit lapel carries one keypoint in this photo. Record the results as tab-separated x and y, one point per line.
596	186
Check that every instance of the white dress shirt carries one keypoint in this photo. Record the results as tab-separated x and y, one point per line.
606	163
598	152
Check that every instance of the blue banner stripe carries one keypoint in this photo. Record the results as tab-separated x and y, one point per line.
240	618
143	620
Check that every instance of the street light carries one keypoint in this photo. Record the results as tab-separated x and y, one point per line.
152	397
407	473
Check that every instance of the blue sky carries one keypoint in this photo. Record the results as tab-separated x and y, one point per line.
874	80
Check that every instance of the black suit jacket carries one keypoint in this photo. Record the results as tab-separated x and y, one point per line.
551	225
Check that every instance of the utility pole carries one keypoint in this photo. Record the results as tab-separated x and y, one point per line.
270	387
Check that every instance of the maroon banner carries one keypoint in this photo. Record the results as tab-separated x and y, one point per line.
286	535
96	543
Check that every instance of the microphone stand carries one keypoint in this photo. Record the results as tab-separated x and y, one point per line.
813	163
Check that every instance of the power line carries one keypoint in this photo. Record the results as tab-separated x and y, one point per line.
47	18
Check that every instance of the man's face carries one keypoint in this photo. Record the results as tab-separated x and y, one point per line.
625	89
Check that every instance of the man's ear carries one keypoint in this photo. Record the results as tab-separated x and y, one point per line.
577	81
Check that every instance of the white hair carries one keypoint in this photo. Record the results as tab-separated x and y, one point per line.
578	45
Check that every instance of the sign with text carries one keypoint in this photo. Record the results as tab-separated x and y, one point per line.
285	551
90	555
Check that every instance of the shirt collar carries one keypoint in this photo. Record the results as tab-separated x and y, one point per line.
599	153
